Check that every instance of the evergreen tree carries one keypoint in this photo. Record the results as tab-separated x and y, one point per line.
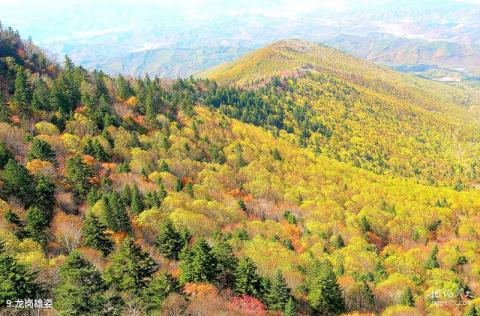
41	96
124	88
126	195
120	221
4	110
18	225
78	173
131	268
22	96
324	294
472	310
137	205
94	235
16	281
199	264
290	308
364	224
35	224
96	150
226	262
247	281
45	196
278	294
18	182
5	155
153	296
41	150
169	242
179	185
339	242
81	289
432	261
407	298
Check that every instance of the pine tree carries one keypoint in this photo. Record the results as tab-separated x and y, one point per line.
126	195
120	221
153	296
290	308
131	268
247	281
17	282
78	173
179	185
22	96
278	294
45	196
472	311
226	262
18	182
41	150
339	242
5	155
41	96
169	242
432	261
137	205
94	235
364	224
81	289
4	110
35	225
324	294
199	265
407	298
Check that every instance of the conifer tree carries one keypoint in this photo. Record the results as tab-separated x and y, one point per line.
339	242
153	296
247	281
120	221
41	150
18	182
407	298
22	96
94	235
35	225
4	110
45	196
5	155
131	268
199	265
169	242
324	294
278	294
78	173
290	308
472	310
81	289
17	282
432	261
179	185
41	96
126	195
137	206
226	262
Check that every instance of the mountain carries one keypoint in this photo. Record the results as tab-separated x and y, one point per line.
239	196
155	37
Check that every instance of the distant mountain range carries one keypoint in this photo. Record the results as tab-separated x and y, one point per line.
177	41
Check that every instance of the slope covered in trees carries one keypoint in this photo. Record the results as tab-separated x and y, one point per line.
153	197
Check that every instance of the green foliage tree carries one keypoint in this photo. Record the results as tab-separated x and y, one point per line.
226	262
136	205
131	268
35	224
41	96
198	264
5	155
407	298
79	174
324	293
179	185
16	281
81	289
126	195
45	196
153	296
247	281
169	241
18	182
278	294
290	308
22	96
94	235
472	310
120	221
96	150
41	150
432	261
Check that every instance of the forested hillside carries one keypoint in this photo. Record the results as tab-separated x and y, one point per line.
294	196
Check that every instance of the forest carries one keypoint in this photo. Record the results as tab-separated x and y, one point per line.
310	193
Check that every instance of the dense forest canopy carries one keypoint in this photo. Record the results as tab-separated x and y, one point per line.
312	192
